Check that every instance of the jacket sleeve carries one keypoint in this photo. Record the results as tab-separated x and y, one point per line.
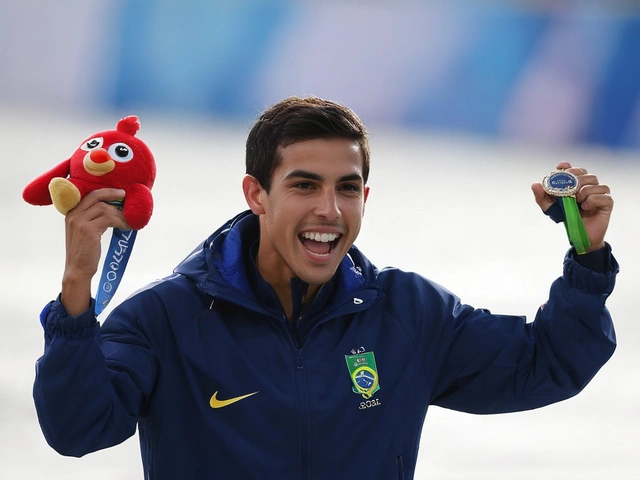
90	387
500	363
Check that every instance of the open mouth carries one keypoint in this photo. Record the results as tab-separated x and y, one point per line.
320	244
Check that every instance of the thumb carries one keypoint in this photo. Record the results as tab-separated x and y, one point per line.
543	199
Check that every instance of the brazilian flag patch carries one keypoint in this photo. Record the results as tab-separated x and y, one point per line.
363	373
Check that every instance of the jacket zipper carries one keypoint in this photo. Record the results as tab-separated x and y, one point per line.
400	464
303	408
292	330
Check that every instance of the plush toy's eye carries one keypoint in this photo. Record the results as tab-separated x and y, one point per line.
121	152
92	144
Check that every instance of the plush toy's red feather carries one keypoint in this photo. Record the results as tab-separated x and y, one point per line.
113	158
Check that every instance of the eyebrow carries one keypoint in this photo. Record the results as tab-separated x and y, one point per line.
314	176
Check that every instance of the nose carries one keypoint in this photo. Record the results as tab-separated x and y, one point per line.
328	206
99	155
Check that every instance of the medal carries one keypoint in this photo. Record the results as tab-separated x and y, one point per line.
564	185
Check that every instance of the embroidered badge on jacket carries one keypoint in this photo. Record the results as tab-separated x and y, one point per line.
363	373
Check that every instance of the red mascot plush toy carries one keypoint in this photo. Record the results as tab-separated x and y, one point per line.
114	158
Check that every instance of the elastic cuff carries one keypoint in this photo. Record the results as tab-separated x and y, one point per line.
54	317
598	260
585	278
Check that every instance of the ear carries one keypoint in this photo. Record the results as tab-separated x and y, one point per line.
253	194
364	200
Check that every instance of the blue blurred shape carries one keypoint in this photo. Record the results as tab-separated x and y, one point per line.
471	97
617	100
192	56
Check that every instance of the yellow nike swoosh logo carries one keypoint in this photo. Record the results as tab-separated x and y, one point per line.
215	403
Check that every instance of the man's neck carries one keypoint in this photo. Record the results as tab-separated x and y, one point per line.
285	296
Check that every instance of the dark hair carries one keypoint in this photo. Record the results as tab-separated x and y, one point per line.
296	119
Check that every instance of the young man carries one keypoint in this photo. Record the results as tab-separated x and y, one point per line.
278	350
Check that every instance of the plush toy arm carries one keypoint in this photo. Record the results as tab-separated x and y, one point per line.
138	205
37	192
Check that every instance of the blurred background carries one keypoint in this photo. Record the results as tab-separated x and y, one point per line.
468	103
556	71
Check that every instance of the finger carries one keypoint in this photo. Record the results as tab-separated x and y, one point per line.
588	184
588	180
577	171
107	194
543	200
106	216
96	217
592	197
563	166
100	195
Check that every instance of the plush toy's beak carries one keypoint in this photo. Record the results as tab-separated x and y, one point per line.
98	162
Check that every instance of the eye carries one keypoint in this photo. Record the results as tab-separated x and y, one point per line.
351	187
92	144
303	185
120	152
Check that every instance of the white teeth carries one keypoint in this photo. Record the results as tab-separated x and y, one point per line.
320	237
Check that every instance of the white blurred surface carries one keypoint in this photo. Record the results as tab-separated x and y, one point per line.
457	210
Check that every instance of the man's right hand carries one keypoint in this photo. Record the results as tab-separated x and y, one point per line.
84	226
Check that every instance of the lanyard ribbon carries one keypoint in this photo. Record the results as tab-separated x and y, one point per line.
114	265
575	227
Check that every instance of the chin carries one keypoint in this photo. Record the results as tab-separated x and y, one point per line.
319	279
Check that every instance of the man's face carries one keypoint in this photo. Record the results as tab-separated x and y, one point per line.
313	212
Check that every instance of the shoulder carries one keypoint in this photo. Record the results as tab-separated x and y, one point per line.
406	293
393	279
171	298
409	296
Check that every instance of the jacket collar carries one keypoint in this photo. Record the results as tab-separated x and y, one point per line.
222	267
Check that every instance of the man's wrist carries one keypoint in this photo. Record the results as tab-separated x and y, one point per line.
75	295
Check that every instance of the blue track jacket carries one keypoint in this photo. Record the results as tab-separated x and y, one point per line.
221	386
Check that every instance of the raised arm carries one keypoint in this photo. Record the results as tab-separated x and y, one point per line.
84	226
502	363
90	386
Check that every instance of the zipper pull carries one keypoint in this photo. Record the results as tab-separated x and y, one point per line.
299	358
